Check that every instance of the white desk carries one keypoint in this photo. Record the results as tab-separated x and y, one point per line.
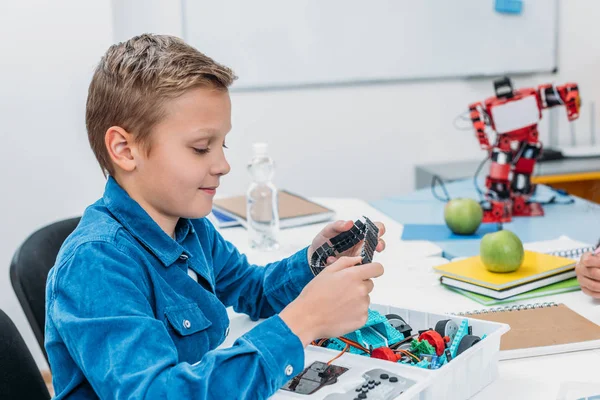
410	282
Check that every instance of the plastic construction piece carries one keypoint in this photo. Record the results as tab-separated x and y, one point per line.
436	340
385	353
421	347
364	230
463	330
435	362
446	327
400	324
338	345
370	241
377	332
448	355
466	343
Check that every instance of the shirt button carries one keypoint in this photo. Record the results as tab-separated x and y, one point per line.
183	257
186	324
289	370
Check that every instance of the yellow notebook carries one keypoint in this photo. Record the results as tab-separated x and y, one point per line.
535	266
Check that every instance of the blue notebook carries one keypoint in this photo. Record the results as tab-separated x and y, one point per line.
222	220
441	233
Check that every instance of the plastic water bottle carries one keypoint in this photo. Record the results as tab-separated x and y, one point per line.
261	201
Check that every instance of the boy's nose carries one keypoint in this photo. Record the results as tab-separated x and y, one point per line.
222	167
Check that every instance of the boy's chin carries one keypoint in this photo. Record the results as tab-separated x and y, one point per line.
197	214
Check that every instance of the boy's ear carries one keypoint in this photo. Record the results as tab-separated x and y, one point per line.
121	148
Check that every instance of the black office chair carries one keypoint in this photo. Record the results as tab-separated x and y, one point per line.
20	377
29	270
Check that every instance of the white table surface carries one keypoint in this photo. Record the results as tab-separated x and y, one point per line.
410	282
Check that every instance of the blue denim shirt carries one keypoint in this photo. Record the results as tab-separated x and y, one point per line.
125	321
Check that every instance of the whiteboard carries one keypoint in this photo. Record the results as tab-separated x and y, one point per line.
283	43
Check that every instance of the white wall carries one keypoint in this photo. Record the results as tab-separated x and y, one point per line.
47	54
360	141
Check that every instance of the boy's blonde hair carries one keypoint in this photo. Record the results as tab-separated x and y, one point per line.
133	80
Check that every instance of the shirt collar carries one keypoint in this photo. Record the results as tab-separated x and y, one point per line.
141	226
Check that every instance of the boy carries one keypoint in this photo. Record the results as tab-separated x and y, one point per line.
136	302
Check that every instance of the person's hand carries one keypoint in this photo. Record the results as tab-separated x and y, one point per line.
588	274
335	228
335	302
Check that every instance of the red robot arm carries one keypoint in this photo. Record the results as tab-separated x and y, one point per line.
475	111
567	95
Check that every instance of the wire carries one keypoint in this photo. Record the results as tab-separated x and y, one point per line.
354	344
462	117
520	152
395	345
476	175
339	355
408	353
434	179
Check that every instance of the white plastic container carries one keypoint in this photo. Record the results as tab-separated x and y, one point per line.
461	378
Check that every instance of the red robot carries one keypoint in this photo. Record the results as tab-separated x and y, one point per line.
514	116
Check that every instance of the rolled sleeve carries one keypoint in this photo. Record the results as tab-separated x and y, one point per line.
299	271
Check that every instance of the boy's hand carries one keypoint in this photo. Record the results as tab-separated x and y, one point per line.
588	274
335	302
335	228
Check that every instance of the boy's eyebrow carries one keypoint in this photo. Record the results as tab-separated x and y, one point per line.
207	133
204	134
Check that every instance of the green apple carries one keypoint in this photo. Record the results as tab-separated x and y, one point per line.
501	251
463	216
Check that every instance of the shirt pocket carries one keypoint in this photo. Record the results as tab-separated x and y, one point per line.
187	319
189	330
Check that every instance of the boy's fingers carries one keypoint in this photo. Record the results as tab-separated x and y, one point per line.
595	295
368	271
381	245
344	262
591	273
381	227
369	285
589	287
588	283
590	260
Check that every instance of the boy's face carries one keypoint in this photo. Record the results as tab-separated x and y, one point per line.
179	176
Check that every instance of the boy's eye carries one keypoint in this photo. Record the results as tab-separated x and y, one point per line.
201	151
225	146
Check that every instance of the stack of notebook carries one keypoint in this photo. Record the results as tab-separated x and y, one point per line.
543	272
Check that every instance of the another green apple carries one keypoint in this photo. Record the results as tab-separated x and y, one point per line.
501	251
463	216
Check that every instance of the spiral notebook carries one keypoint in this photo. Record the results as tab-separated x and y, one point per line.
563	246
540	329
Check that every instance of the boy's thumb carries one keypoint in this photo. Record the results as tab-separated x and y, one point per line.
343	263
